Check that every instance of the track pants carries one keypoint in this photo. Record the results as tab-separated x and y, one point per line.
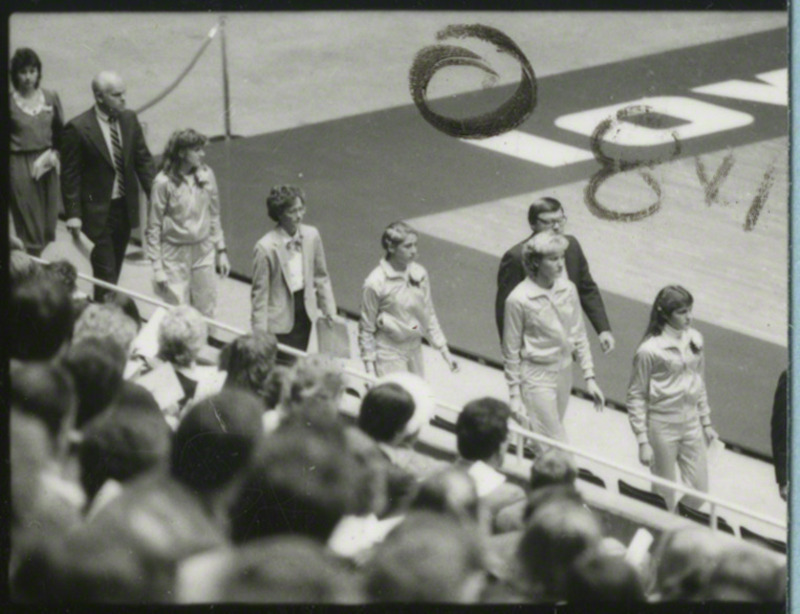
682	443
545	391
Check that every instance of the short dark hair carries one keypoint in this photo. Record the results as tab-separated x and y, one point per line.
216	439
248	360
546	204
40	319
385	410
46	392
427	558
300	481
287	569
96	365
121	445
481	428
281	198
64	271
23	58
544	494
127	304
598	577
450	491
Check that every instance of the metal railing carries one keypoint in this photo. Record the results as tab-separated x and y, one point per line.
520	433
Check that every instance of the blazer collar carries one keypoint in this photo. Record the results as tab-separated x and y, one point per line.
534	290
95	135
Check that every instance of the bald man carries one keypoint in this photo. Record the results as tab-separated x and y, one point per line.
103	153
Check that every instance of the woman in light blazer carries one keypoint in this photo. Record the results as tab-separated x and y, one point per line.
291	287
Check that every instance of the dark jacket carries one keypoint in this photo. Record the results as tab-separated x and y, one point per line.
512	272
87	171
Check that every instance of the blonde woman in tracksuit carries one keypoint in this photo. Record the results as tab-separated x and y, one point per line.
667	402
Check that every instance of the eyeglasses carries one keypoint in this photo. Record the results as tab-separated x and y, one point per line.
559	221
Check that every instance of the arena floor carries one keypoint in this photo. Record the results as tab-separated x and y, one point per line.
323	101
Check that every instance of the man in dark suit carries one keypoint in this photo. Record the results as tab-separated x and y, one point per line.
103	152
547	214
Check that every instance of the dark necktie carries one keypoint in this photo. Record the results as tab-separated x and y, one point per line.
116	151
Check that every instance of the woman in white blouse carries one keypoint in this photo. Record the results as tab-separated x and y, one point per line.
543	328
185	242
397	309
667	401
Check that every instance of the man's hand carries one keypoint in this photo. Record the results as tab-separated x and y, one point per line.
710	434
646	454
449	360
597	394
223	264
14	242
74	226
160	280
607	343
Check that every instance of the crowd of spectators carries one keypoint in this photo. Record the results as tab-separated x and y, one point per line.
260	490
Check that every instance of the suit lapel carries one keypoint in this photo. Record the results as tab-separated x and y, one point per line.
95	136
283	258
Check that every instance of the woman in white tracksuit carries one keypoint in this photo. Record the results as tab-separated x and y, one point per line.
185	242
667	401
543	329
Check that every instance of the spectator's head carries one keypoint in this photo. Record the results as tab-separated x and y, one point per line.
399	240
40	319
286	204
301	481
427	558
127	304
121	445
215	441
553	467
744	573
451	492
64	272
557	533
96	365
106	321
26	69
21	267
109	93
248	360
184	152
396	409
287	569
182	335
683	561
46	392
88	566
373	474
668	300
546	213
597	577
315	379
543	253
482	430
544	494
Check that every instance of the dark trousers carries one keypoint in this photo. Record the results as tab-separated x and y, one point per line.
300	335
109	248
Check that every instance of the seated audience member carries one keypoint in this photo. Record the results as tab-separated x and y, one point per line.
745	573
557	534
552	468
595	576
40	319
482	441
451	492
127	304
683	561
282	569
427	558
89	568
182	334
118	446
301	481
184	511
65	273
393	413
96	365
248	361
106	321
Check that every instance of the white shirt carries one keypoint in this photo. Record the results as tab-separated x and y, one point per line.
296	279
102	119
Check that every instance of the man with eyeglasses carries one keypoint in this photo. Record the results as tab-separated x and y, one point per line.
547	214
